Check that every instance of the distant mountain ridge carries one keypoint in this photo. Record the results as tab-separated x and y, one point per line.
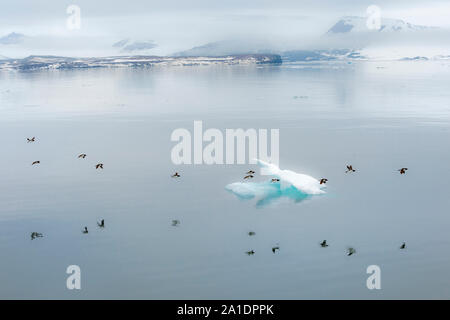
347	39
350	38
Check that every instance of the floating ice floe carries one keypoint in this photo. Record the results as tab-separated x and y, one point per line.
292	185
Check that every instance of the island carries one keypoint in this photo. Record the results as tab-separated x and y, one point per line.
55	62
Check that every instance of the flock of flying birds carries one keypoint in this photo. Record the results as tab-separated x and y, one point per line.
323	244
100	224
249	175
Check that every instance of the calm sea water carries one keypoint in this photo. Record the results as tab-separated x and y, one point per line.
378	117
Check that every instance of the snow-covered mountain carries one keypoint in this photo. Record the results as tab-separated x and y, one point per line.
353	24
12	38
135	46
220	48
393	40
350	38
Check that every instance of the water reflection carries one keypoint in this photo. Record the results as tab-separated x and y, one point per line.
266	192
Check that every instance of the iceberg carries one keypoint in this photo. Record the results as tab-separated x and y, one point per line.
291	185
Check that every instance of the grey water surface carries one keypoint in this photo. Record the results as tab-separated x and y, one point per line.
377	116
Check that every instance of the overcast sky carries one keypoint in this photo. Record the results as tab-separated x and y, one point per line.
179	25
